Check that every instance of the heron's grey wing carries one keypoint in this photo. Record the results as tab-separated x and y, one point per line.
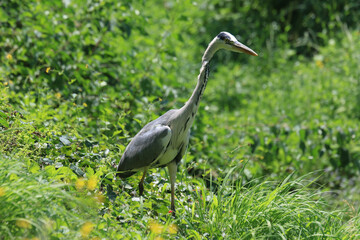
145	147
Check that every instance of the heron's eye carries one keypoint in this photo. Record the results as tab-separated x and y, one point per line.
227	41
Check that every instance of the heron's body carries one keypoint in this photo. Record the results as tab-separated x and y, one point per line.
163	141
156	145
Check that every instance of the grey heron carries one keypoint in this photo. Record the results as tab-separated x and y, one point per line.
163	141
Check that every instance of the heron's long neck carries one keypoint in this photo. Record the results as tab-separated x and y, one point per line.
192	104
198	92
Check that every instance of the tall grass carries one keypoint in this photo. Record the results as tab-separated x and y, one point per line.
33	206
268	210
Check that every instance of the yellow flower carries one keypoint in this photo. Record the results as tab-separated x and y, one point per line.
23	223
86	229
47	70
172	229
9	57
92	182
80	183
319	63
156	227
158	238
84	104
2	191
58	95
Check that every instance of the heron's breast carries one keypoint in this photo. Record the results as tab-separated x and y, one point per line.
168	156
177	141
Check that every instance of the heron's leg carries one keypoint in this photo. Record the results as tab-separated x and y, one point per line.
141	183
172	172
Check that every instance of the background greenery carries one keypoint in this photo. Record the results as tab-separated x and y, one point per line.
274	151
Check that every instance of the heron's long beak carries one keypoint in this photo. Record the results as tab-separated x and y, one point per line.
239	47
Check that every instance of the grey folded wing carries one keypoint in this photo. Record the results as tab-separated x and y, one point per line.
145	147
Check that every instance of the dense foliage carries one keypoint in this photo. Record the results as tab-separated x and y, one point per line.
79	78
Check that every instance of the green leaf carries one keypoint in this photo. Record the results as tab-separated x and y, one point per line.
77	170
89	172
3	122
2	115
64	140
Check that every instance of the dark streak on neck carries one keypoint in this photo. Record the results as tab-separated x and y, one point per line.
203	84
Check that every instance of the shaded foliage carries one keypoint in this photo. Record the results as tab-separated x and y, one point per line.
303	25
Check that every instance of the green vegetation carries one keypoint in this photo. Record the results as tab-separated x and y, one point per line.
274	151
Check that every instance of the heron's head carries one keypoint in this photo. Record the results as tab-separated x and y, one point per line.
227	41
